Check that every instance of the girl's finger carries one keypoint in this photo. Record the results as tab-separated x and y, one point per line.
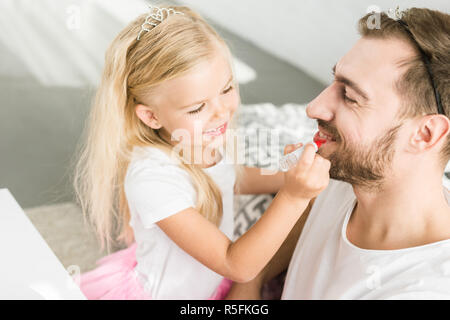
307	158
320	167
292	147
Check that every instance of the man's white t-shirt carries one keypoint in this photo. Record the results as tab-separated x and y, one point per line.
156	187
326	265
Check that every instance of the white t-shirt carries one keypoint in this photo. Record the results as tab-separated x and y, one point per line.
326	265
156	187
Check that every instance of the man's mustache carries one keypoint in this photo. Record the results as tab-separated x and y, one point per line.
329	129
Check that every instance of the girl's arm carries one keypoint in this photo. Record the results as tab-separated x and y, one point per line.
280	261
257	180
242	260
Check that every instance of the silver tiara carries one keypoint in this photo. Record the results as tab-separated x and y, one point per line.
395	14
155	17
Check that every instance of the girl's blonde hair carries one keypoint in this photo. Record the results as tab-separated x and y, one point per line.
132	70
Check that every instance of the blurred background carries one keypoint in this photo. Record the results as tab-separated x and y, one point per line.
52	52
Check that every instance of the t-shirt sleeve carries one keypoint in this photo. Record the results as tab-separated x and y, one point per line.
156	192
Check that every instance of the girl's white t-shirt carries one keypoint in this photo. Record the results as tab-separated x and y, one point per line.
156	188
326	265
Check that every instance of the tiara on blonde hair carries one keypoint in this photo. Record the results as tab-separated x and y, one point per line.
155	17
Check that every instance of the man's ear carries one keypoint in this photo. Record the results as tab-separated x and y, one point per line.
432	129
147	115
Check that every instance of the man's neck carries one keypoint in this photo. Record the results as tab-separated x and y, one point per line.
403	214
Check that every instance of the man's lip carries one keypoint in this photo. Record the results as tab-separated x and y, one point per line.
326	133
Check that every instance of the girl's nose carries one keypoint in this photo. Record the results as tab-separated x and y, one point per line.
220	108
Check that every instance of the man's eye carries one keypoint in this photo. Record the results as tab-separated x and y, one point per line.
197	110
349	100
346	98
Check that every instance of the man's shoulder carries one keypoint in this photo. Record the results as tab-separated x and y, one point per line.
434	282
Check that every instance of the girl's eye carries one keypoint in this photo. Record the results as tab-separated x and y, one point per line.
197	110
228	89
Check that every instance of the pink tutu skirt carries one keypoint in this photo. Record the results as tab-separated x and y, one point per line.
115	279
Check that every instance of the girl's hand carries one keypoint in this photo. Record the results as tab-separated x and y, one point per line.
309	177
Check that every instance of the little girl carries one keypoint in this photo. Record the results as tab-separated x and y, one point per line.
168	94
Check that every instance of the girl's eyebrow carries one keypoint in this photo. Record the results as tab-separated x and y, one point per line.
198	102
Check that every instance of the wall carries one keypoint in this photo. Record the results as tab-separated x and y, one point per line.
311	35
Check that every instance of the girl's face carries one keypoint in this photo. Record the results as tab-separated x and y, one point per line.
194	109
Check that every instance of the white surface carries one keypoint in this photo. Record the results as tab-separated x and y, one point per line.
311	35
29	269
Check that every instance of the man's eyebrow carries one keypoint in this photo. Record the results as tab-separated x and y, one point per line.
198	102
350	83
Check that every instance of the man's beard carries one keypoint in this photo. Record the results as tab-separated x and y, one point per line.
359	165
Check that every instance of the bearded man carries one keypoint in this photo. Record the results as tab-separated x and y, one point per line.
381	229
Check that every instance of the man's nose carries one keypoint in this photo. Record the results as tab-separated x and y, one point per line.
324	105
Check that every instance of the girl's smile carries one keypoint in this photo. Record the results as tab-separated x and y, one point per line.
217	131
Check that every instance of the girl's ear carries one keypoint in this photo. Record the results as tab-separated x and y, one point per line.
147	115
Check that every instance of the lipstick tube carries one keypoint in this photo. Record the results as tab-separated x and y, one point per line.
289	160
